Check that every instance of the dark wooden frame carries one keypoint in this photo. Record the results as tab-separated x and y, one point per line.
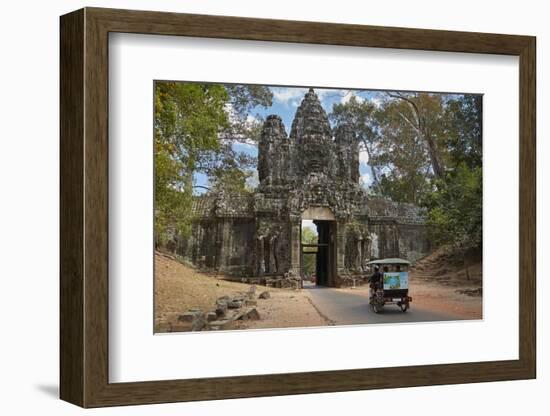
84	207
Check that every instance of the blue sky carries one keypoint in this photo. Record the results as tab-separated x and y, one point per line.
285	102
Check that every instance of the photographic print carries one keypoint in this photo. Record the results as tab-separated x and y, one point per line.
284	206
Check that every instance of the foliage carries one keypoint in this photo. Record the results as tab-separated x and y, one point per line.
360	117
309	236
455	205
195	127
425	149
455	208
463	138
187	120
309	260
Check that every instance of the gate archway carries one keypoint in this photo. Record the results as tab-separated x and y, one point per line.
325	248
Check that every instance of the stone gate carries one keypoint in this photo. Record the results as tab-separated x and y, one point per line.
311	174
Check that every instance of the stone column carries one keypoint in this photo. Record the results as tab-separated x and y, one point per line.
225	246
295	246
260	264
359	258
341	247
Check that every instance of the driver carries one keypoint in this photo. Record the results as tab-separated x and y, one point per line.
375	280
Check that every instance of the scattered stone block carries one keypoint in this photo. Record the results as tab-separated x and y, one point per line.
221	309
222	299
219	324
234	304
163	326
211	316
250	302
251	314
180	327
187	316
265	295
199	322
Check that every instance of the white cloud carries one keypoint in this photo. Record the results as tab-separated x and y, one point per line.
288	96
309	224
348	96
376	101
366	179
293	96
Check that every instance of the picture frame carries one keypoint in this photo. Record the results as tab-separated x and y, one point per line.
84	217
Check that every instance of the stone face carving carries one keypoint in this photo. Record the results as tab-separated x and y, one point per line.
315	169
273	150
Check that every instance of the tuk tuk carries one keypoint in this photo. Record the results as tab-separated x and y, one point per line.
394	287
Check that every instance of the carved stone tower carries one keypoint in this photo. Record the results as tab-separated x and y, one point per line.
312	174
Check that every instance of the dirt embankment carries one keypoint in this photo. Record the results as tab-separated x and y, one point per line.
449	282
179	288
449	268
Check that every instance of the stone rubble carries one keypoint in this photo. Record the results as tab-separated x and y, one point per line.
227	309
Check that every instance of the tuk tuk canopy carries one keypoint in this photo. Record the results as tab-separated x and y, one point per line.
390	261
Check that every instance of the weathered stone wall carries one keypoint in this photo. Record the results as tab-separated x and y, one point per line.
225	245
413	241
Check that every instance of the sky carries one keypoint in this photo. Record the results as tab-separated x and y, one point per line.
285	102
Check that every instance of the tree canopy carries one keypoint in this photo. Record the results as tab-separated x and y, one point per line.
425	149
195	127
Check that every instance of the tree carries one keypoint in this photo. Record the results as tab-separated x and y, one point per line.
463	132
359	115
401	156
195	127
188	119
425	149
309	236
455	208
455	205
424	112
243	99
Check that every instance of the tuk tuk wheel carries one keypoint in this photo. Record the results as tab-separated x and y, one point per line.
404	307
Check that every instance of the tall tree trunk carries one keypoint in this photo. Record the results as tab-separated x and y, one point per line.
437	163
420	125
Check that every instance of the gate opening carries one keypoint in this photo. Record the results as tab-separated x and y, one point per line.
318	259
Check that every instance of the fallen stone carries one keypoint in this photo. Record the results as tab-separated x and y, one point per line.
211	316
180	327
163	326
219	324
224	298
264	295
221	308
187	316
250	302
199	322
251	314
234	304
